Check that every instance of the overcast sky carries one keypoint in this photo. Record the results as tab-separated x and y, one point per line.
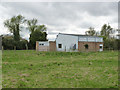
62	17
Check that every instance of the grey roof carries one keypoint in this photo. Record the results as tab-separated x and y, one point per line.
77	35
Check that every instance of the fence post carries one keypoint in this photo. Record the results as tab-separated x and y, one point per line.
14	47
2	48
26	47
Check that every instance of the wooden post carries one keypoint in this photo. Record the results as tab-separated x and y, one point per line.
37	46
2	48
14	47
26	47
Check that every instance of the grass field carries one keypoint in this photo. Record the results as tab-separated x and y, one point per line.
31	69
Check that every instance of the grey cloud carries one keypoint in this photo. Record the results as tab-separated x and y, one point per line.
100	9
61	15
86	25
63	11
25	33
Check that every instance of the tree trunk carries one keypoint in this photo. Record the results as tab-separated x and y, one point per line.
17	33
14	47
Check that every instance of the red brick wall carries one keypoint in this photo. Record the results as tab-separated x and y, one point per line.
52	46
92	46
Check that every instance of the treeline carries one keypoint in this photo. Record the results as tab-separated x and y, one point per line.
15	25
38	33
110	42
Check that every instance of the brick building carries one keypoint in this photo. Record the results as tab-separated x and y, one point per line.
71	42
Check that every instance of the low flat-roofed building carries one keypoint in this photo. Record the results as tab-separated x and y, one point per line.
71	42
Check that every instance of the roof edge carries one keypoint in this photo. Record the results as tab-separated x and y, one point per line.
78	35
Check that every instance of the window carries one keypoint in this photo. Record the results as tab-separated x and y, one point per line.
59	45
41	44
86	46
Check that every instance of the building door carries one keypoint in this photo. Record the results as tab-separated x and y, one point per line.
101	47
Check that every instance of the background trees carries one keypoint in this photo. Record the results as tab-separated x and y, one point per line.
106	30
14	25
8	43
90	32
37	33
110	42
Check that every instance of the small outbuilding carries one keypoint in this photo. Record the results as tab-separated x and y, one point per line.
71	43
42	46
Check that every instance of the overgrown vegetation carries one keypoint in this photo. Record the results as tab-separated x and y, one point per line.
15	25
110	42
9	43
31	69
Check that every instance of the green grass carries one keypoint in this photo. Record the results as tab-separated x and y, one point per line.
31	69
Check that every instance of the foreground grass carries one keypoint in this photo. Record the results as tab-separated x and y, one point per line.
31	69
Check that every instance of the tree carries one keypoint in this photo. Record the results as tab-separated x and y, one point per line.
14	26
106	30
41	28
90	32
37	36
109	41
38	32
32	25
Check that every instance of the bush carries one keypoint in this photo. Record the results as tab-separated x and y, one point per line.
8	43
111	44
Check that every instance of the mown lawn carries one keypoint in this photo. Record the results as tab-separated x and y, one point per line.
31	69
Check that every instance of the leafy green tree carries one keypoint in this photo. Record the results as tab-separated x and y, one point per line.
14	26
32	25
109	42
37	36
38	32
90	32
41	28
106	30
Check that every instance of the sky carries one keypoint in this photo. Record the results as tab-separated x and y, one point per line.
61	17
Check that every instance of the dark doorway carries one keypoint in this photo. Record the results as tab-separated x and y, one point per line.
100	47
86	46
59	45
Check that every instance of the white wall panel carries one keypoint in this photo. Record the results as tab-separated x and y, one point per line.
67	41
